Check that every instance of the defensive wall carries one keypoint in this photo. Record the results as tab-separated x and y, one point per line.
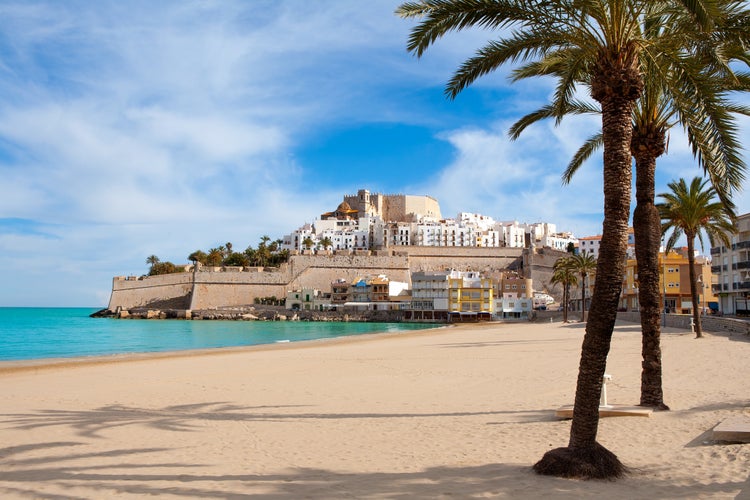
223	287
539	265
129	292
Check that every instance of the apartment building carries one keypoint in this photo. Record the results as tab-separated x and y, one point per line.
469	294
731	268
674	283
514	297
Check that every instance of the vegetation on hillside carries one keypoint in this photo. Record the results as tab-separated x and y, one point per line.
267	254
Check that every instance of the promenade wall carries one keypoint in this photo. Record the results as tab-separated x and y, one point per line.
208	289
684	321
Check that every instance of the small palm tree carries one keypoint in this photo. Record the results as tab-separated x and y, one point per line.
584	264
152	259
692	211
326	243
198	256
215	256
564	274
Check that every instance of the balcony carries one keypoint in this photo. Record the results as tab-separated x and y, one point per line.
741	244
716	251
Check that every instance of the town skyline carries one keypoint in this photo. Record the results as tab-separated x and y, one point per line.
139	129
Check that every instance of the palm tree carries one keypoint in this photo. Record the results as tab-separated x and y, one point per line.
676	88
597	43
326	243
215	256
152	259
308	242
584	264
564	274
198	256
263	253
694	210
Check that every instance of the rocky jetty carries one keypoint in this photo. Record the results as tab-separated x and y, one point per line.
250	313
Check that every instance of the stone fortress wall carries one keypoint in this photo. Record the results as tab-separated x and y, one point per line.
393	207
209	289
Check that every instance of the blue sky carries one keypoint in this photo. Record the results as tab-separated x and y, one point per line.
136	128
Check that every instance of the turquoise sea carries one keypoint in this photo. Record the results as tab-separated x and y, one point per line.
39	333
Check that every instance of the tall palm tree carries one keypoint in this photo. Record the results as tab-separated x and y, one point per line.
564	274
692	211
584	264
676	88
599	43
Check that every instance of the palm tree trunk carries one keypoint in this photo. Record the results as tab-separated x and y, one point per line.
583	298
616	87
693	288
647	230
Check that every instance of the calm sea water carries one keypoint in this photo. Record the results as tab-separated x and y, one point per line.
38	333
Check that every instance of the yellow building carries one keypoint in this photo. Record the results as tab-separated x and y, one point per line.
674	283
471	295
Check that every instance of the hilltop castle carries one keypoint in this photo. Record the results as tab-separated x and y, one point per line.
368	221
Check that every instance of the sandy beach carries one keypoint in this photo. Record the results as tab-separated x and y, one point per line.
458	412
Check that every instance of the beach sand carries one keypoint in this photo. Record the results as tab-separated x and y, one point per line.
457	412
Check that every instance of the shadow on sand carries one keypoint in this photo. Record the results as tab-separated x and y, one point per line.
55	475
71	469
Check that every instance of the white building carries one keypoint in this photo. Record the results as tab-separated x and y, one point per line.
731	268
511	306
590	244
360	226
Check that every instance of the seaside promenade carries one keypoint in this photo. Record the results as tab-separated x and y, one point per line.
455	412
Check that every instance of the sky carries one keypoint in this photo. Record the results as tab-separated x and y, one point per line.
138	128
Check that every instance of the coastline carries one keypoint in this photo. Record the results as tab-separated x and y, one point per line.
457	412
14	366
